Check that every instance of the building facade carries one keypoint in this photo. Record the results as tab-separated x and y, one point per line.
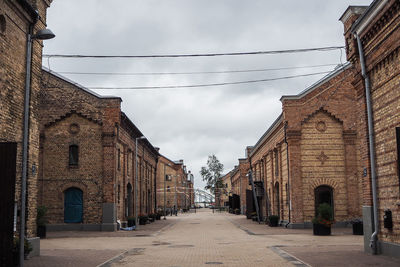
17	20
309	154
174	185
88	175
372	33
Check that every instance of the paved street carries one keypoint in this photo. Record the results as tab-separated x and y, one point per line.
206	239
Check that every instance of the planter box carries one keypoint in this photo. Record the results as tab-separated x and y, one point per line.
358	229
320	229
41	231
131	223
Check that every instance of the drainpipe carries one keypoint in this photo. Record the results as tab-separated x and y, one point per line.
34	15
288	172
374	237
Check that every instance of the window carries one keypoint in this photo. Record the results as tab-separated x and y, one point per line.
398	151
276	163
168	177
168	189
73	155
119	159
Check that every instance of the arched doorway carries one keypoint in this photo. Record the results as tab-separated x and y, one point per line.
276	200
129	199
73	205
323	194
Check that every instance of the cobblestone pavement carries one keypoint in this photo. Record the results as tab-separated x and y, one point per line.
206	239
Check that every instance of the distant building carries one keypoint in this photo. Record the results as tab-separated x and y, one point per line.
377	27
174	185
87	159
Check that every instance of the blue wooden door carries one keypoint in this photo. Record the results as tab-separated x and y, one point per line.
73	205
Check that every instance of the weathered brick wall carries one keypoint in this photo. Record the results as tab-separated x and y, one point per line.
58	175
381	48
13	32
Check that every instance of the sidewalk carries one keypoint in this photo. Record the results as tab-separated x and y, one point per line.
82	249
342	248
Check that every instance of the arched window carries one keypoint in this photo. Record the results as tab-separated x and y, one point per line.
73	155
73	205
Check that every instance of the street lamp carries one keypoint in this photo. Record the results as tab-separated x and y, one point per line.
136	181
44	34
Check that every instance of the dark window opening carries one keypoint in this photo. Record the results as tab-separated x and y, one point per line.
119	159
73	155
276	163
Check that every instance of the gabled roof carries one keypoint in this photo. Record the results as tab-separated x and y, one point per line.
78	85
69	114
270	130
338	70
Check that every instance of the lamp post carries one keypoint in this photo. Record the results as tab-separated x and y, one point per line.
136	181
44	34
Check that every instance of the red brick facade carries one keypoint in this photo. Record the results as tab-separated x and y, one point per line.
15	20
105	170
378	29
309	148
174	185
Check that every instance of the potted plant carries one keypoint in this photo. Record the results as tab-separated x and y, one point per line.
273	220
41	221
27	250
143	219
323	221
358	228
152	217
237	211
158	215
131	221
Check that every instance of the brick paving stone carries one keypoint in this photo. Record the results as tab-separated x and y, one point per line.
207	239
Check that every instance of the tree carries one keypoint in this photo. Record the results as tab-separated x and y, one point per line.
212	174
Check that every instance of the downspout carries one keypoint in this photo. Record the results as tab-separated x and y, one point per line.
374	237
34	15
288	173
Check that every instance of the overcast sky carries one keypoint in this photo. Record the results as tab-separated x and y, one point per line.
193	123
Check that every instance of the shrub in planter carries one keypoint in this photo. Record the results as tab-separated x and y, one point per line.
237	211
273	220
131	221
323	221
152	217
358	228
27	250
158	215
143	219
41	221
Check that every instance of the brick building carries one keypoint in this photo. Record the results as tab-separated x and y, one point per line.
87	159
224	192
308	155
373	32
17	20
240	184
174	184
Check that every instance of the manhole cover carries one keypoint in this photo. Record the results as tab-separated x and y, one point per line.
194	223
213	262
160	243
142	235
181	246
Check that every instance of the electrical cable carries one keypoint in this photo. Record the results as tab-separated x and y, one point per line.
194	72
206	85
301	50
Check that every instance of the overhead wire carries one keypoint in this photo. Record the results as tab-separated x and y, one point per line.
193	72
270	52
205	85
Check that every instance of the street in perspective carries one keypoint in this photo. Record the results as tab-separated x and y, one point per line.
199	133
